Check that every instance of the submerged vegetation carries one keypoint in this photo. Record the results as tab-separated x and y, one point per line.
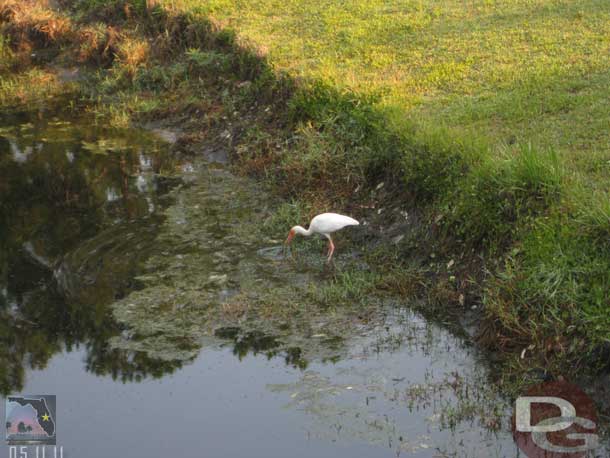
482	174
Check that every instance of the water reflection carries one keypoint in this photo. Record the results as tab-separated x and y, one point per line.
68	200
408	386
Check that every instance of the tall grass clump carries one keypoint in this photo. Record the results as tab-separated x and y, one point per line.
31	23
342	142
31	86
594	218
432	166
498	197
132	53
6	54
98	44
553	291
108	10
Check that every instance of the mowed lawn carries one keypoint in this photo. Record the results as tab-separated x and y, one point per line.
511	71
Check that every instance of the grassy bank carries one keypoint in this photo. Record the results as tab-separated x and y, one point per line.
483	173
511	71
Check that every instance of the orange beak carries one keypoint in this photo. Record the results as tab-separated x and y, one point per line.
288	240
290	237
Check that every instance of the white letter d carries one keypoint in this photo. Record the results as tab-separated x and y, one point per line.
523	414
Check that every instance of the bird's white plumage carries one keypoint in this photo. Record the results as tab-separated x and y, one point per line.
327	223
324	224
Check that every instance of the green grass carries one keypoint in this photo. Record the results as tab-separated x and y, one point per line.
30	87
515	71
504	73
501	74
6	53
488	118
560	282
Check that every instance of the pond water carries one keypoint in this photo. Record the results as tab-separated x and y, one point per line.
137	287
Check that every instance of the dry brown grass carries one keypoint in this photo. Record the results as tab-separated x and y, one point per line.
98	43
32	23
236	308
30	86
405	282
132	53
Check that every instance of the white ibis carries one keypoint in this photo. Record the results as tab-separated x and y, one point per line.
324	224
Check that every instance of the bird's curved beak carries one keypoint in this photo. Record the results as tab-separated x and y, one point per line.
288	240
290	237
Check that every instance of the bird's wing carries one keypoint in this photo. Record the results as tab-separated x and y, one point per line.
331	222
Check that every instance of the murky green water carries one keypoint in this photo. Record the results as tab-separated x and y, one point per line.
138	286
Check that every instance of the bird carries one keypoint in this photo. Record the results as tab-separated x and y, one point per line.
323	224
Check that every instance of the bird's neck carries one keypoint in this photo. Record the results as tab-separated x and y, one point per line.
301	230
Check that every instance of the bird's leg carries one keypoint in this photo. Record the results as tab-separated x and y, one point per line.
287	251
331	248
